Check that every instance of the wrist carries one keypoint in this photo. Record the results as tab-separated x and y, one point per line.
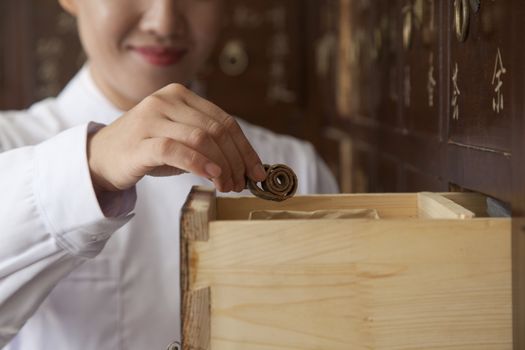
100	184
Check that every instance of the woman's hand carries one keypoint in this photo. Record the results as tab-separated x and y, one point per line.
171	132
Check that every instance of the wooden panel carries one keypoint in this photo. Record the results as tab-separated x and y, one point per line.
386	70
359	54
14	36
363	164
518	280
388	206
518	181
416	133
399	205
198	210
55	48
416	180
481	171
421	68
435	206
44	51
336	285
472	201
481	69
389	174
269	33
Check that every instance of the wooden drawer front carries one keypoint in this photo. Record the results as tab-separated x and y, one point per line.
421	68
260	59
481	68
398	283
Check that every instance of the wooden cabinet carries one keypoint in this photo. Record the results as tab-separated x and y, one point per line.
433	99
420	67
260	62
480	71
481	74
431	272
450	112
41	51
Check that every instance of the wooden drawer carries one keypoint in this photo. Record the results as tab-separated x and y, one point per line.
431	273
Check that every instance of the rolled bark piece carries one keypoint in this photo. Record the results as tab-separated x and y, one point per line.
280	183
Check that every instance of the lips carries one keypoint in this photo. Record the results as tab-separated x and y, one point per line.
160	56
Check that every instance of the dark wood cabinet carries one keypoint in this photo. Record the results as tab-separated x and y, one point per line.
420	67
440	107
260	62
432	95
481	56
40	51
480	70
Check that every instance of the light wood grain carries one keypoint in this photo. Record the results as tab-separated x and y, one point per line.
436	206
196	319
200	208
357	284
196	214
475	202
314	215
387	205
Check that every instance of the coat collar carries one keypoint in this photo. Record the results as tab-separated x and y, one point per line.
82	101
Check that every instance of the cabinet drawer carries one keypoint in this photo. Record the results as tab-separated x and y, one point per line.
481	71
430	273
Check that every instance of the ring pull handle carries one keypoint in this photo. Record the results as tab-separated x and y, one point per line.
233	59
462	19
475	5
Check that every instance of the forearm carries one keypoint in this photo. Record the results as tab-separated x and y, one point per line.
50	222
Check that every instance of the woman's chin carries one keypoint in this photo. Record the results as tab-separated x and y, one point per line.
151	84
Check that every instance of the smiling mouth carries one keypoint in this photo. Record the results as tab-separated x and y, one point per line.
160	56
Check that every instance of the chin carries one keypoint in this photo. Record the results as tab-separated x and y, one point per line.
142	85
159	81
146	90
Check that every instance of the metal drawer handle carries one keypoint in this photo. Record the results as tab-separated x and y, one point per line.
233	59
462	18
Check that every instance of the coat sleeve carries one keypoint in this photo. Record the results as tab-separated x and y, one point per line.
50	221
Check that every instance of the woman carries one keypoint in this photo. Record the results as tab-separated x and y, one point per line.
73	181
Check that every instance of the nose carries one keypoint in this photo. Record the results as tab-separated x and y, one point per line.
164	19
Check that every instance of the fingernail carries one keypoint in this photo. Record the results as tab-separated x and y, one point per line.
259	173
239	188
229	186
212	170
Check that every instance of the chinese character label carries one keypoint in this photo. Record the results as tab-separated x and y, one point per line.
455	93
497	82
431	84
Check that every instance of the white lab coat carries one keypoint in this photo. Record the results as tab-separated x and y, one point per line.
54	271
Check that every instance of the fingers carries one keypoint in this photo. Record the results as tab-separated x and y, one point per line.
224	129
160	152
172	131
198	140
214	130
253	164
